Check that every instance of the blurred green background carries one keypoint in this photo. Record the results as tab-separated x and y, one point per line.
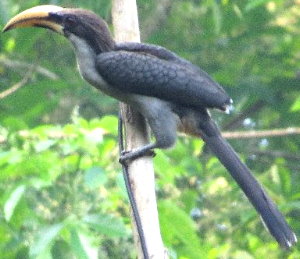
61	191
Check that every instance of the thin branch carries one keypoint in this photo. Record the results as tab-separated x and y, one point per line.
18	85
261	133
228	134
14	64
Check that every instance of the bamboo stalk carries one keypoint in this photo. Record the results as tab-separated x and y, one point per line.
141	173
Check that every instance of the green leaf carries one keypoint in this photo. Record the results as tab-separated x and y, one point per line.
109	123
10	45
82	245
296	105
255	3
12	201
189	198
44	239
44	145
179	231
217	16
61	250
44	255
292	205
285	179
242	254
106	225
95	177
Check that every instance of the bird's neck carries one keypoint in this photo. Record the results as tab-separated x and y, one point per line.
86	58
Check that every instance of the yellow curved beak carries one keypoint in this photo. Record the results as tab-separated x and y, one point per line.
36	16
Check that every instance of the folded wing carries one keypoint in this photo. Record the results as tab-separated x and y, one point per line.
146	70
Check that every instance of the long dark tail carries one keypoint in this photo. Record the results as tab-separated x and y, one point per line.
269	212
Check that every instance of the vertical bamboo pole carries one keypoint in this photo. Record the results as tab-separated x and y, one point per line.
126	28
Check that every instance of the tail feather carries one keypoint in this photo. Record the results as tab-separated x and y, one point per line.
271	216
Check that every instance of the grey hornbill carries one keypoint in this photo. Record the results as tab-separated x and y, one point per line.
170	92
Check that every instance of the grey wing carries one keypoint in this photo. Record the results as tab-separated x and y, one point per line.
157	51
149	75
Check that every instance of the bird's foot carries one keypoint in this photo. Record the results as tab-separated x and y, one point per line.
127	156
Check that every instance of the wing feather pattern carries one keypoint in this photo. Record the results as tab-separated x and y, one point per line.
160	73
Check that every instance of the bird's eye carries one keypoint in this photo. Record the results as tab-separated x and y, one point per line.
70	21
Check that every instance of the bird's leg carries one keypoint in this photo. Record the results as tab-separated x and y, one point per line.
163	126
146	150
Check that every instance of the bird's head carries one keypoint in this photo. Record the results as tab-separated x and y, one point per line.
70	22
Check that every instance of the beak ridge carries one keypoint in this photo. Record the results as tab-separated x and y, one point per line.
35	16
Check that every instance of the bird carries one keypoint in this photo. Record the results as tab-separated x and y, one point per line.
170	92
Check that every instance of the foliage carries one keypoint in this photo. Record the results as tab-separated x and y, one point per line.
54	185
61	194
